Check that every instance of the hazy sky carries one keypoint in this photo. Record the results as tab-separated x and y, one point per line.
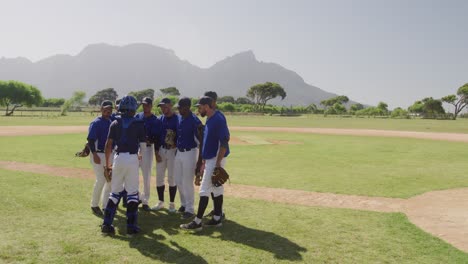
395	51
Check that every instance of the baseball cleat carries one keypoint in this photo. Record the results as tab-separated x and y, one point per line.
159	206
211	214
146	208
192	226
186	215
172	208
214	223
97	211
107	229
181	210
133	231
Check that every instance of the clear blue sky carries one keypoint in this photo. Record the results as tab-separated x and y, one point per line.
395	51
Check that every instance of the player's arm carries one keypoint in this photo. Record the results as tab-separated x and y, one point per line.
110	143
141	139
92	136
223	143
158	140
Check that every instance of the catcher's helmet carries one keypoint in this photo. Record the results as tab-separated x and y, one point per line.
128	103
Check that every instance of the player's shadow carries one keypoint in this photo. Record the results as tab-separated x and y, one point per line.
150	244
282	247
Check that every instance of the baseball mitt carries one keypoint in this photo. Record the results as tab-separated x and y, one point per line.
108	173
83	153
219	177
170	138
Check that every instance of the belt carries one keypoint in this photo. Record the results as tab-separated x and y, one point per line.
100	151
131	153
148	145
184	150
165	147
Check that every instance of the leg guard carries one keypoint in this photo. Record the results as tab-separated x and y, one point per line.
111	207
202	206
124	198
218	205
160	190
132	217
172	193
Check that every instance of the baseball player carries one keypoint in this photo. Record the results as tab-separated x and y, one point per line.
128	134
153	132
97	135
186	157
166	155
214	152
213	95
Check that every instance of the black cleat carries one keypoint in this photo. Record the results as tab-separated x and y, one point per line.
97	211
181	210
214	223
107	230
192	226
211	214
146	208
133	230
186	215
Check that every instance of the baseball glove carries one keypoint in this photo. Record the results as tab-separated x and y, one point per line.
170	138
108	173
219	177
83	153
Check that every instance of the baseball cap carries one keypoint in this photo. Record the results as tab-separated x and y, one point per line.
147	100
205	100
184	101
106	104
165	101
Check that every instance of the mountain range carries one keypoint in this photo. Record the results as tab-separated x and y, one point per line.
140	66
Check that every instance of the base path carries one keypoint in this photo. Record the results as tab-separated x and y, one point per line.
54	130
442	213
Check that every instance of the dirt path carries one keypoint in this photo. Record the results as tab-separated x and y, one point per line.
48	130
441	213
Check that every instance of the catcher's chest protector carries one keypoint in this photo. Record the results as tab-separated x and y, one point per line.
125	123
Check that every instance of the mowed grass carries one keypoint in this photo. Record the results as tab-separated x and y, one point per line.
317	121
373	166
49	221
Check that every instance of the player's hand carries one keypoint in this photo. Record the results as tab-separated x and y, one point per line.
158	158
139	157
96	158
202	168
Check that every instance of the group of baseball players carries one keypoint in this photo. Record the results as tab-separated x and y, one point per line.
123	142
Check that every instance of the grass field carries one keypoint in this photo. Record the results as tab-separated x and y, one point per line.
390	167
458	126
49	222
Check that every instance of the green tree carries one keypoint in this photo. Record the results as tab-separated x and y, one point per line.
53	102
383	107
399	113
226	99
342	99
139	95
106	94
170	91
17	94
417	108
243	100
261	93
432	107
76	100
459	101
355	107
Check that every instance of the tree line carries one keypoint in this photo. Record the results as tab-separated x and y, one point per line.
14	94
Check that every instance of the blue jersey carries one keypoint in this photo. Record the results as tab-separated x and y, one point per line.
168	123
187	130
127	133
97	132
153	126
114	116
216	131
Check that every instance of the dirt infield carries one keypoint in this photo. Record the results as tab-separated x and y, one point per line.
441	213
49	130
